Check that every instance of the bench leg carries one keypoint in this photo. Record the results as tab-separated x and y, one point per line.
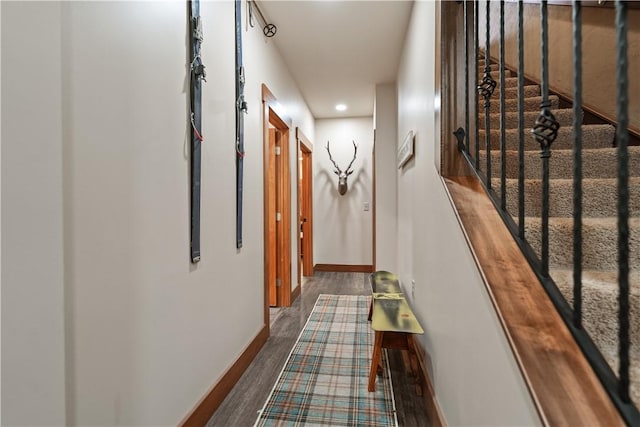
375	360
415	367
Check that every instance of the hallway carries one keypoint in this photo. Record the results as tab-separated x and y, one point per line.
240	407
103	311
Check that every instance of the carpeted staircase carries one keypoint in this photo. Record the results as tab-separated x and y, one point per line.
600	308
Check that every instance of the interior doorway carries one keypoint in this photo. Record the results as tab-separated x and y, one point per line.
305	206
277	205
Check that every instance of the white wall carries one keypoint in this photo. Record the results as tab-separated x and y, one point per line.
386	128
33	365
148	333
476	378
263	64
342	229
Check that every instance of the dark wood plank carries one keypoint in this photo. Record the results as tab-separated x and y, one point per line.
564	388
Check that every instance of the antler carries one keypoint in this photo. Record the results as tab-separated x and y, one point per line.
338	171
355	151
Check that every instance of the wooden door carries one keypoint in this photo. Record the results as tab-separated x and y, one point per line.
277	205
281	249
306	212
270	222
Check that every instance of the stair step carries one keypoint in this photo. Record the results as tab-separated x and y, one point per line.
599	249
599	299
596	163
563	116
600	197
508	82
599	295
512	92
593	136
530	104
495	72
493	66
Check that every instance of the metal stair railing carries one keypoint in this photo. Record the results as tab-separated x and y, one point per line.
544	133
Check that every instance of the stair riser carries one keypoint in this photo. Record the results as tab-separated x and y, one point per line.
599	197
563	116
601	163
593	136
509	82
494	67
495	73
599	249
530	104
512	92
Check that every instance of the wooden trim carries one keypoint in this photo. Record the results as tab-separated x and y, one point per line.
267	98
306	142
308	202
562	384
208	404
270	225
299	172
285	294
274	115
434	413
305	196
344	268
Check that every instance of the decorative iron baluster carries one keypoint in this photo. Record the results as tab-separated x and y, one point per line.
476	40
577	164
622	138
521	119
503	150
545	131
466	75
486	88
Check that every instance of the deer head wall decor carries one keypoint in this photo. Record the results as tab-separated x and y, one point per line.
342	176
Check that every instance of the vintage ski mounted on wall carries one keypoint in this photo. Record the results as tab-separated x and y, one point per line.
197	76
241	109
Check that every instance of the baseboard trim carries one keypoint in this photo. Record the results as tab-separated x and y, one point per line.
344	268
296	293
434	413
206	407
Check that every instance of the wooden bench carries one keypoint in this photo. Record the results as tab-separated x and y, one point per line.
391	319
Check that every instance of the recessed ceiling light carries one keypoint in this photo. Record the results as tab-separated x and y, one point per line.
341	107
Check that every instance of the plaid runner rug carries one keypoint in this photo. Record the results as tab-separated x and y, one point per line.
324	381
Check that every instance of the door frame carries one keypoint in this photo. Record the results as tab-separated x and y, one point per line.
305	145
373	206
273	114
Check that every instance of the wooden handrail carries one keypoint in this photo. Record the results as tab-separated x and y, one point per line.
563	386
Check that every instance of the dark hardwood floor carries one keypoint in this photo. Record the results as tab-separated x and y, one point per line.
240	408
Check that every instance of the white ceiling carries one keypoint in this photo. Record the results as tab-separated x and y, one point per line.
338	51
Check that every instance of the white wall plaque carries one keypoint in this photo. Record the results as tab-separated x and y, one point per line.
405	149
